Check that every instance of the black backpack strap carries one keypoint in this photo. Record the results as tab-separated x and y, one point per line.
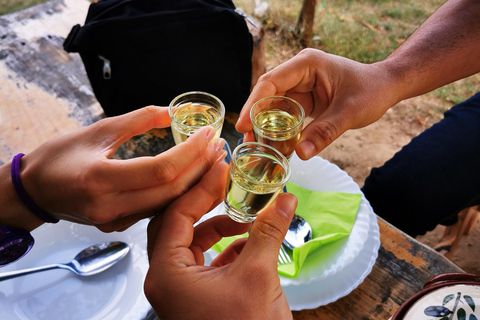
71	44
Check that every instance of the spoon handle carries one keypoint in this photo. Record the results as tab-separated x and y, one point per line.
14	274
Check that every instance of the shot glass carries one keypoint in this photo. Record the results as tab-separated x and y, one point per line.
257	175
278	121
191	111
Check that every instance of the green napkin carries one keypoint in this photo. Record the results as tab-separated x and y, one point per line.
330	214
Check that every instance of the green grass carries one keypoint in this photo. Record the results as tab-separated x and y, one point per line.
8	6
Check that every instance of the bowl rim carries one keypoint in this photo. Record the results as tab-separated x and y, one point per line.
434	283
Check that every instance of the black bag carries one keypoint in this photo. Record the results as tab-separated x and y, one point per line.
146	52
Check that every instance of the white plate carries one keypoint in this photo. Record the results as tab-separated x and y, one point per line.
116	293
318	174
323	292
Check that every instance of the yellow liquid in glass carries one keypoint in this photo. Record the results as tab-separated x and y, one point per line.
252	184
190	117
278	129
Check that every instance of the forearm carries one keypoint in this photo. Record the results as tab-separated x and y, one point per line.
13	213
445	48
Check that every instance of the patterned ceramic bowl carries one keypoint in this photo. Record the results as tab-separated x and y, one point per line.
451	296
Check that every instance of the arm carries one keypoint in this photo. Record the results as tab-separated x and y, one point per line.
340	94
241	283
445	48
73	177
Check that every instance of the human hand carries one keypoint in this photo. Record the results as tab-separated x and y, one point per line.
337	94
241	283
74	179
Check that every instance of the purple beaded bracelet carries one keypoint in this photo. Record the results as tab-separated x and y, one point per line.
22	194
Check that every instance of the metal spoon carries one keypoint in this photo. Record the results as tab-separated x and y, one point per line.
298	233
89	261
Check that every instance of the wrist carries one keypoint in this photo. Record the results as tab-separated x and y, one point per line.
401	79
14	213
387	79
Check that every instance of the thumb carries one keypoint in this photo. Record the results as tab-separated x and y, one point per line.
319	134
269	230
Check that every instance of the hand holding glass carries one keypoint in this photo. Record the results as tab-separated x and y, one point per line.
191	111
257	175
277	121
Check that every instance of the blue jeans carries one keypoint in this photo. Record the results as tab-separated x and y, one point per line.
431	179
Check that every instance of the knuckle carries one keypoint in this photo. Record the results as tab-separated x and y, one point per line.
89	185
149	109
178	189
263	77
324	131
165	171
268	230
150	112
307	52
206	164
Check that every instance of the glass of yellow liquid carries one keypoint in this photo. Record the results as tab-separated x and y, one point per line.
191	111
278	121
257	175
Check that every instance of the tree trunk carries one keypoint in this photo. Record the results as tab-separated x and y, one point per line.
305	22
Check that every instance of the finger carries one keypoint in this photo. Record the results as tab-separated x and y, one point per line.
268	232
151	200
213	230
230	253
121	128
264	88
248	136
321	132
182	214
144	172
153	229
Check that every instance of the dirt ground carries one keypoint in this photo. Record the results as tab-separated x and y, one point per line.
357	151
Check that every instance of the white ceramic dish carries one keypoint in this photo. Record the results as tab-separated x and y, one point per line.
117	293
318	174
330	289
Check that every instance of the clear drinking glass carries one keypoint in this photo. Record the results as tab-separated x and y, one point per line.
278	121
191	111
257	175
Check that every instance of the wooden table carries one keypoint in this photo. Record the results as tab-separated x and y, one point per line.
402	267
44	93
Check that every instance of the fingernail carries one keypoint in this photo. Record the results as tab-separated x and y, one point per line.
210	132
308	149
218	144
221	156
286	204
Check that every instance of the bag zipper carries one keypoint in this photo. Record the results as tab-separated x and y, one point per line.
107	70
